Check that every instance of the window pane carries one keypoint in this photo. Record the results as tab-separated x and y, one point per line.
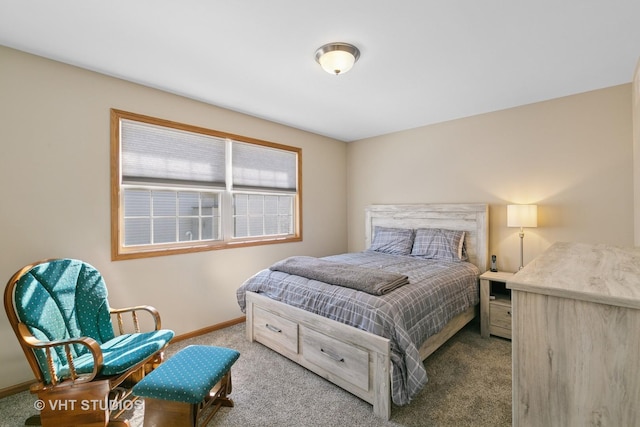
271	205
137	231
241	227
164	203
137	203
188	203
256	226
188	229
240	204
210	228
286	224
171	209
210	204
256	204
164	230
267	215
285	205
271	225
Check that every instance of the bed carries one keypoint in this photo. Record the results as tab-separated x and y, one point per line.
373	345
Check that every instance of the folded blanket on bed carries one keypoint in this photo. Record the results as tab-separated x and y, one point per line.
372	281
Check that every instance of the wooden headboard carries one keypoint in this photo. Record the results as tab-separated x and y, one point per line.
472	218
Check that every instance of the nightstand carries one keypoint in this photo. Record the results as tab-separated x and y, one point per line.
495	304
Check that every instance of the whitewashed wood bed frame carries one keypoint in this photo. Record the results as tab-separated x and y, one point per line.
365	371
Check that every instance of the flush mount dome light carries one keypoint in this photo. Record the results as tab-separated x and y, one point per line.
337	58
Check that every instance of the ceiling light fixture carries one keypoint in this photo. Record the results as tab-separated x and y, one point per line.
337	58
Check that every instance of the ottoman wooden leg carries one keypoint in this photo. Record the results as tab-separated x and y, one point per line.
217	398
219	392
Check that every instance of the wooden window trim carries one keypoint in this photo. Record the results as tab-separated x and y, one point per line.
117	250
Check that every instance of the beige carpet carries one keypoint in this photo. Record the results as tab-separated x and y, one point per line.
469	385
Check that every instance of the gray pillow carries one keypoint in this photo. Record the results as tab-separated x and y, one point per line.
396	241
438	243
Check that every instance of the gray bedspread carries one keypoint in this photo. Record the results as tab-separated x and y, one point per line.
407	316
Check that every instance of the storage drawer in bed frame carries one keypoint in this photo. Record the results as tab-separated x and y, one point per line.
353	359
347	361
275	331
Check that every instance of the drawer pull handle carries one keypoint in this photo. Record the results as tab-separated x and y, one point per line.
332	356
509	313
273	328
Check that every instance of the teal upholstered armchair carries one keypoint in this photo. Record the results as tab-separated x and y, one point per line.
59	311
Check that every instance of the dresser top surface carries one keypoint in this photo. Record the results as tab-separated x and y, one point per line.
596	273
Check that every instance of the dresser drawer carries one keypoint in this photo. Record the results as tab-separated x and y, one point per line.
500	315
275	332
336	357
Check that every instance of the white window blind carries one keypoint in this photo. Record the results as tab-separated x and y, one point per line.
161	155
263	168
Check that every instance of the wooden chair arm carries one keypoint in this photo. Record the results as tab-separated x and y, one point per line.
93	346
133	310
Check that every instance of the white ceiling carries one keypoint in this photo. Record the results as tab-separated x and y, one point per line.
422	61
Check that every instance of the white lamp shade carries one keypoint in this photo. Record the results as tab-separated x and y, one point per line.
522	216
337	61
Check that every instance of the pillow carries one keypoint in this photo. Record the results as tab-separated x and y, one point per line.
438	243
396	241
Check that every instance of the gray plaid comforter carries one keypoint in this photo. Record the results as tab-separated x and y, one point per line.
407	316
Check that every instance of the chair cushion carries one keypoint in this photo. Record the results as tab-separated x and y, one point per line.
122	352
61	299
64	298
189	375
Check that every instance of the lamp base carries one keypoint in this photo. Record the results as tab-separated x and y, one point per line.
521	249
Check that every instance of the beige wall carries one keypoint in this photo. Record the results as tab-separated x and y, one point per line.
572	156
54	187
636	152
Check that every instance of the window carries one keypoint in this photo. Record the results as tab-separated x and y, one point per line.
178	188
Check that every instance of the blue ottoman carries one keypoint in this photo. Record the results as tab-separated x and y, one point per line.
181	389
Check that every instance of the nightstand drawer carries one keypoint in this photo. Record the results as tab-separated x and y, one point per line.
500	315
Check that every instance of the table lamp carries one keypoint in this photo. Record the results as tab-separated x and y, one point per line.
522	216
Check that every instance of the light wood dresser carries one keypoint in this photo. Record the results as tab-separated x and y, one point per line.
576	337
